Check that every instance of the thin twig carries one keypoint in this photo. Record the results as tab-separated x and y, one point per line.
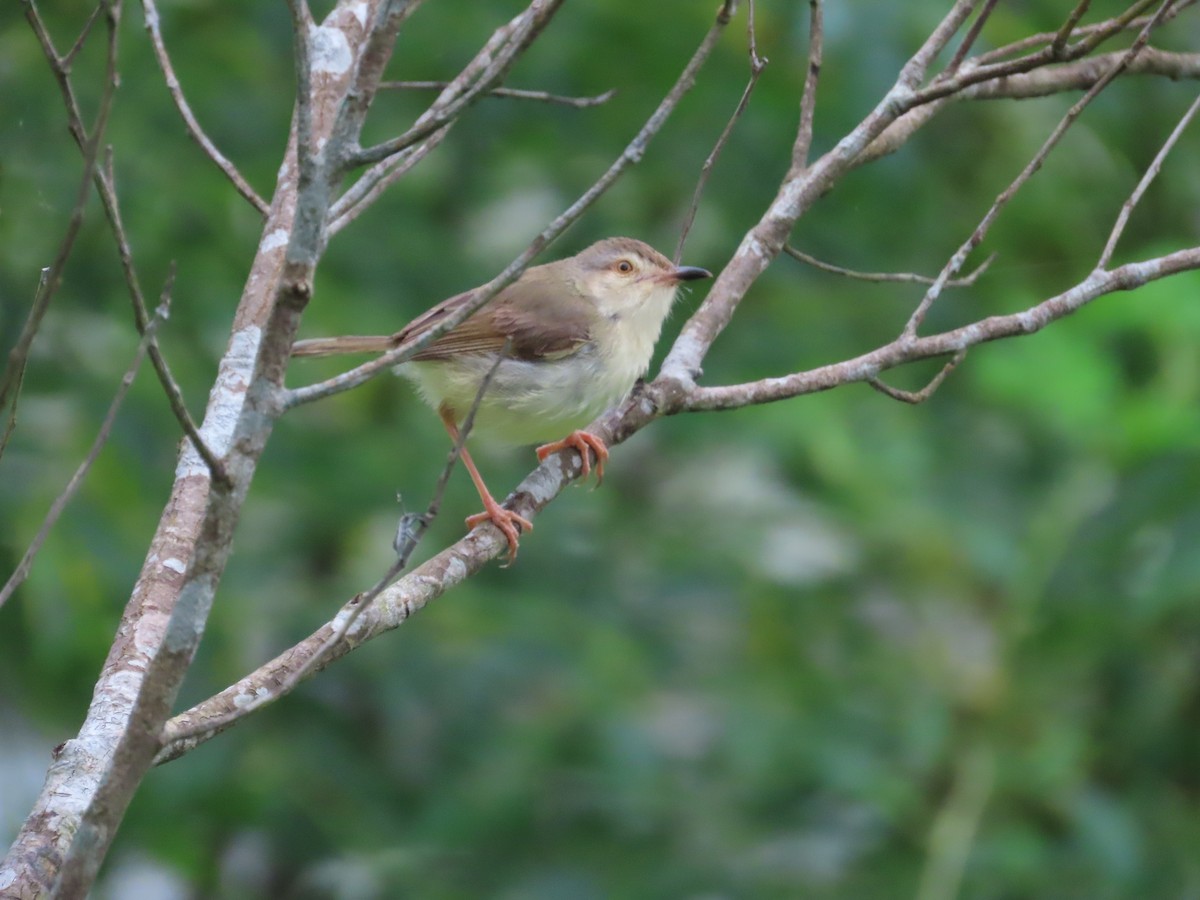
972	35
915	69
812	77
69	57
378	179
915	397
195	132
757	64
141	316
630	155
486	71
1079	75
1091	41
88	141
105	183
503	92
301	44
905	349
947	85
481	73
1059	44
1148	176
18	376
60	502
1106	27
956	261
904	277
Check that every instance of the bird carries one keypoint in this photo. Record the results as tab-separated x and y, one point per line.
558	346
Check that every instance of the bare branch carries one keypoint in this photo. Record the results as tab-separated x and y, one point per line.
378	179
1148	176
1083	74
757	64
1108	28
907	349
972	35
915	69
76	481
69	57
916	397
507	93
976	73
956	261
106	182
905	277
12	382
480	76
88	141
483	71
106	186
303	120
195	132
1059	44
798	191
812	76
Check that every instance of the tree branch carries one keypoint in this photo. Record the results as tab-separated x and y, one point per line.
484	70
909	349
960	256
505	93
76	481
195	132
904	277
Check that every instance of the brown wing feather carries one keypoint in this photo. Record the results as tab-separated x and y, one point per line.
549	321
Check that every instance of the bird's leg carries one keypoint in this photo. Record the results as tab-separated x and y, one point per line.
583	441
510	523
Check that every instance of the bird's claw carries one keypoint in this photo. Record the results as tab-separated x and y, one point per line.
511	525
582	441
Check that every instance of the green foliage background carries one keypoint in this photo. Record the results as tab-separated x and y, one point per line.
812	649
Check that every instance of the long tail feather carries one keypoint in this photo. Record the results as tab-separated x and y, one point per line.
351	343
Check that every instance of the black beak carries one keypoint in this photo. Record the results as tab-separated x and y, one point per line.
691	273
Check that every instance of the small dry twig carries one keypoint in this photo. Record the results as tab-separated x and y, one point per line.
904	277
915	397
483	73
17	373
1144	182
812	77
476	79
508	93
757	65
1035	163
60	502
112	208
89	141
195	132
969	41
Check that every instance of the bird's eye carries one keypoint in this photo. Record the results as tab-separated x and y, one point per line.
625	266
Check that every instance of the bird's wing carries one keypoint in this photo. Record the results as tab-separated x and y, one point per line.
547	323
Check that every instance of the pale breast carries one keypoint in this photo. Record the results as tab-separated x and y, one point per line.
526	402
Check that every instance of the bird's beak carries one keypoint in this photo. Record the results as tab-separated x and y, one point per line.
690	273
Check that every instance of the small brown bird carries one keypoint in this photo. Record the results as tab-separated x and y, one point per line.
576	334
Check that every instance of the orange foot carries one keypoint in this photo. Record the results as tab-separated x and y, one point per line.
582	441
511	524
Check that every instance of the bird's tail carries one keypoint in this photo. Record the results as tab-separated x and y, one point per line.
352	343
